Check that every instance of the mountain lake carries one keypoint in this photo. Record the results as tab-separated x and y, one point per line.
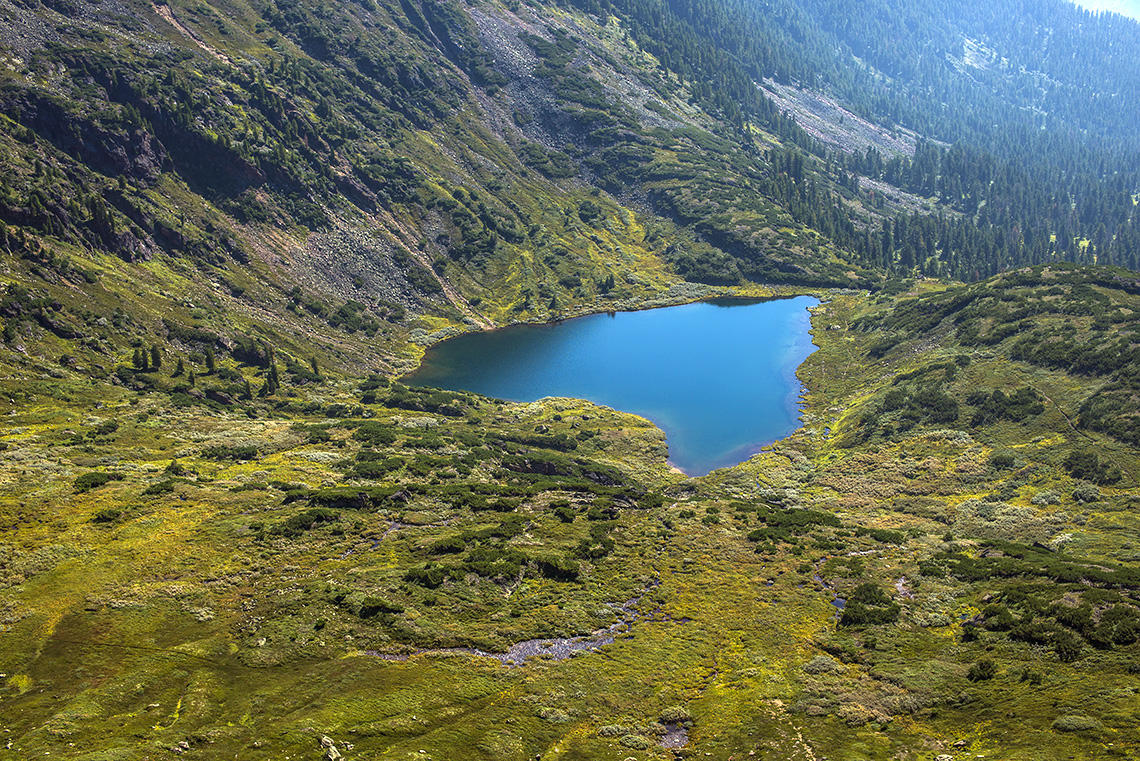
719	377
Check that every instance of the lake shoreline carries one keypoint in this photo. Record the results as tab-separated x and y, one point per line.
718	376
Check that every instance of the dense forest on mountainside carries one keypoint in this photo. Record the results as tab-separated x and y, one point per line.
227	529
1023	111
327	109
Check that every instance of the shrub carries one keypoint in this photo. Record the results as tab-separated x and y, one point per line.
223	452
375	433
427	576
651	500
1068	646
983	670
374	469
107	515
563	511
176	468
1001	461
553	715
637	742
162	487
559	569
306	520
1076	723
447	545
676	715
94	480
1085	464
869	604
371	606
1086	493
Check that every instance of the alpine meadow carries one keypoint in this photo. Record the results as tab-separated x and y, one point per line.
231	527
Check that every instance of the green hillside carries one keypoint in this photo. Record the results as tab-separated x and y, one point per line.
248	581
227	530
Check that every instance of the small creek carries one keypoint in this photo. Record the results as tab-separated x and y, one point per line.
556	648
560	648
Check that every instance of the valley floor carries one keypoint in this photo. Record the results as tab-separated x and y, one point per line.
325	574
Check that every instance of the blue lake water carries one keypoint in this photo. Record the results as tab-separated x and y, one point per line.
718	377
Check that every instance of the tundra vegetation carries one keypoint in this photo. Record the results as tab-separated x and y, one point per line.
227	530
330	560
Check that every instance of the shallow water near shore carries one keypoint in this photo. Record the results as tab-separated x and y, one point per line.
718	376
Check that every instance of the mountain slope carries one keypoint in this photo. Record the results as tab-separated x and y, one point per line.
228	531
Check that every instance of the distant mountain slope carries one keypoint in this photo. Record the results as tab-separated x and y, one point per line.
1128	8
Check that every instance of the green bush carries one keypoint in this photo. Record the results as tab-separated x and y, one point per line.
676	715
306	521
223	453
162	487
983	670
821	664
94	480
637	742
1086	465
869	605
372	606
559	569
1076	723
1001	460
563	511
107	515
427	576
447	545
1086	493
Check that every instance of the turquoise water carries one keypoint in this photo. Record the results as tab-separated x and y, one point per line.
718	377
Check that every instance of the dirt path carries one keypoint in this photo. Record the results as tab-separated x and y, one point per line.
164	11
1063	414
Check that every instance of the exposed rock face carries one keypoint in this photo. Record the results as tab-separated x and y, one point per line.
128	151
221	397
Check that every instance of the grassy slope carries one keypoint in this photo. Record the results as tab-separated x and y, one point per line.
187	617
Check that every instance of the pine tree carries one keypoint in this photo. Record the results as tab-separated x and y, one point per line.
211	363
155	356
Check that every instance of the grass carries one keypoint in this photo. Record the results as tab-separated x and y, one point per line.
183	616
